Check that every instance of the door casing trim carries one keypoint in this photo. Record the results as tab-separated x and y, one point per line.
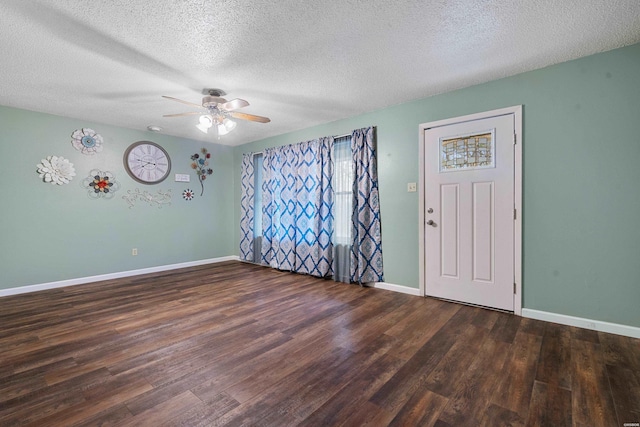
516	110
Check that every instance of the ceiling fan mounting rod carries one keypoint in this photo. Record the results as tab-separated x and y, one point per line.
213	92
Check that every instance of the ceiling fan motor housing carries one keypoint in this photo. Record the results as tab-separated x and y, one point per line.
212	101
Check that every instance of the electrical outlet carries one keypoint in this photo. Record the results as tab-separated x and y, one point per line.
412	187
134	251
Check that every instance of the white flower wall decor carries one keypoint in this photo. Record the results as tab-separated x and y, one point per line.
56	170
87	141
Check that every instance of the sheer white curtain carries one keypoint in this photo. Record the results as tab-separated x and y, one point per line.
343	207
257	210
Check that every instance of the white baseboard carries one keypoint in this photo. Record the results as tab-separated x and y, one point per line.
596	325
110	276
395	288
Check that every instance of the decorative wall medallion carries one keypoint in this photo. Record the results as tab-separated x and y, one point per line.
56	170
187	194
200	165
86	141
160	199
100	184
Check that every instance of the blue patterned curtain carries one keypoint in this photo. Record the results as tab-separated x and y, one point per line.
246	208
297	202
366	247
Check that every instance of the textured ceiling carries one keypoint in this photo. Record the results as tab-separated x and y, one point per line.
301	63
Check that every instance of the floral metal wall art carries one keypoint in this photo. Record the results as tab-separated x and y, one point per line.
200	165
100	184
187	194
56	170
86	141
160	199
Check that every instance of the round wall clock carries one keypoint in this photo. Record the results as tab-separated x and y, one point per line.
147	162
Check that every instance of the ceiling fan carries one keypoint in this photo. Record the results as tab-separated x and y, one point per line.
218	111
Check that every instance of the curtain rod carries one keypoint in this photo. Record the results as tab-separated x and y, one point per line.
341	136
334	137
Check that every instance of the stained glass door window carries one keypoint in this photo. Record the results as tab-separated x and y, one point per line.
467	152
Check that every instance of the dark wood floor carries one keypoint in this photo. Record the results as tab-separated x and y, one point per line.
237	344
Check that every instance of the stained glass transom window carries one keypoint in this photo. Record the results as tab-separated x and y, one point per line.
475	151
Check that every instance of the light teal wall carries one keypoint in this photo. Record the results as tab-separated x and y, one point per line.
50	233
581	219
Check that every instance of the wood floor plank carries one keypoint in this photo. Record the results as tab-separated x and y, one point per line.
311	398
550	406
413	336
245	383
584	334
472	398
497	416
625	389
367	415
447	375
205	414
233	344
620	351
422	409
415	372
356	392
165	412
506	327
591	393
49	400
515	386
24	382
79	413
554	364
485	319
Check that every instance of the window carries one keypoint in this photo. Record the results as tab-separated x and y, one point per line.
294	230
257	196
343	190
342	185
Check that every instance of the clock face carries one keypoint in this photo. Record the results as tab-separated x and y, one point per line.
147	162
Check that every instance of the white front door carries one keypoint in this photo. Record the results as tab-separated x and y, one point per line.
469	211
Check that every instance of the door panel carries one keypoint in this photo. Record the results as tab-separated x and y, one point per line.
482	239
449	236
469	185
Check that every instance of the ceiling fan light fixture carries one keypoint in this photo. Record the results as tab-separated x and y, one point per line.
229	124
205	123
222	130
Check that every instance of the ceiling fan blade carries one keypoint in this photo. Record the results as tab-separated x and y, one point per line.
234	104
184	114
251	117
181	101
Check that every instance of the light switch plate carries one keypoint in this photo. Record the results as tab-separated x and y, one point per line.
412	187
183	177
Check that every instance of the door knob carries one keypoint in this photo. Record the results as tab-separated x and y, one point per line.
430	222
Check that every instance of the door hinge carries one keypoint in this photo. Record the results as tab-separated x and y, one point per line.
514	288
515	216
515	139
